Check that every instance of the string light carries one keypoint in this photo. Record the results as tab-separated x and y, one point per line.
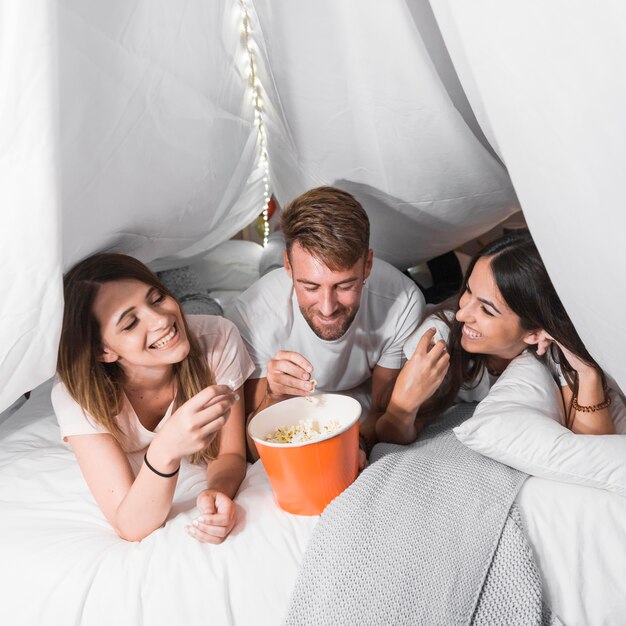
257	101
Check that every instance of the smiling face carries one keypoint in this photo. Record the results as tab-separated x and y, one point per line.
139	325
328	300
489	326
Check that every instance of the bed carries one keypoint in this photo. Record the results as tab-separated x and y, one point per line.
62	564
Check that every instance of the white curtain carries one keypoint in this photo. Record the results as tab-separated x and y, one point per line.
157	136
362	94
140	139
130	126
31	305
548	79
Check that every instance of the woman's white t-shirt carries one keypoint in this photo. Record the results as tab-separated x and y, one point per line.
480	388
228	360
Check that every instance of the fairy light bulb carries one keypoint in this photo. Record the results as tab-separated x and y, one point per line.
257	102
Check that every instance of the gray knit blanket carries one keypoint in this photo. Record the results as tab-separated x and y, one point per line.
428	534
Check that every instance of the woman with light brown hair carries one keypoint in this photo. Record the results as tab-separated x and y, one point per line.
135	374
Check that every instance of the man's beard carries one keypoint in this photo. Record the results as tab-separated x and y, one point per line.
330	332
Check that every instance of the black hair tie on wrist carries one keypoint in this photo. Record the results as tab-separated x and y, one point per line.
156	471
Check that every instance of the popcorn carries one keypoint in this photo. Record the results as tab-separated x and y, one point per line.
305	430
308	397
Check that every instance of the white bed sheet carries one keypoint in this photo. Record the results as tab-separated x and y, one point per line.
60	562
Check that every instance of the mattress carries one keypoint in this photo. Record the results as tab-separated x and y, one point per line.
578	535
61	563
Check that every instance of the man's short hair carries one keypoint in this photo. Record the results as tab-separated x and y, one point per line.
329	224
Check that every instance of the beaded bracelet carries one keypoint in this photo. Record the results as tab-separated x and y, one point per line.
156	471
591	408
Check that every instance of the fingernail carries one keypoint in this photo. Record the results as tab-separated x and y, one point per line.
191	530
195	522
236	397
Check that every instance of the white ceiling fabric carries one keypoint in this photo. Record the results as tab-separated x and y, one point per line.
157	134
361	97
138	135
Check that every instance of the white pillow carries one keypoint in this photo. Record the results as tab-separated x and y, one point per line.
233	265
520	424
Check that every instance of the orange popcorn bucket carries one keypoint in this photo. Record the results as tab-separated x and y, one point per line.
306	476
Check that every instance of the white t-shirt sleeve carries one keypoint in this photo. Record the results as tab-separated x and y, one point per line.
71	417
254	334
432	321
226	353
393	355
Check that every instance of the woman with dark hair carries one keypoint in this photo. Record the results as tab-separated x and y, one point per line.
135	374
507	305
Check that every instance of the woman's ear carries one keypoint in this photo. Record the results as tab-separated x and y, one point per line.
108	356
539	338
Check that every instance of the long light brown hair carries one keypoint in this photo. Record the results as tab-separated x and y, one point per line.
524	283
96	386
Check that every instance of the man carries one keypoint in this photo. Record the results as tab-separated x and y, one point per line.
333	315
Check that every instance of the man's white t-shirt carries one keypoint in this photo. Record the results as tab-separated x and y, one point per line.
269	320
228	361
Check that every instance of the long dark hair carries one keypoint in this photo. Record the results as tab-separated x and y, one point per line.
96	386
525	286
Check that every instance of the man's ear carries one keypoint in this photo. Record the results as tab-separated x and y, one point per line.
287	264
368	263
108	356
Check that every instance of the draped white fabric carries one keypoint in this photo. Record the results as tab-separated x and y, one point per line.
144	137
157	133
548	77
31	305
362	95
156	151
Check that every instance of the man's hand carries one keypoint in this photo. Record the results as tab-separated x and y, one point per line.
289	374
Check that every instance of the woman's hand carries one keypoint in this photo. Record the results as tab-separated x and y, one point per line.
580	366
421	375
218	516
544	341
192	426
363	463
591	393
